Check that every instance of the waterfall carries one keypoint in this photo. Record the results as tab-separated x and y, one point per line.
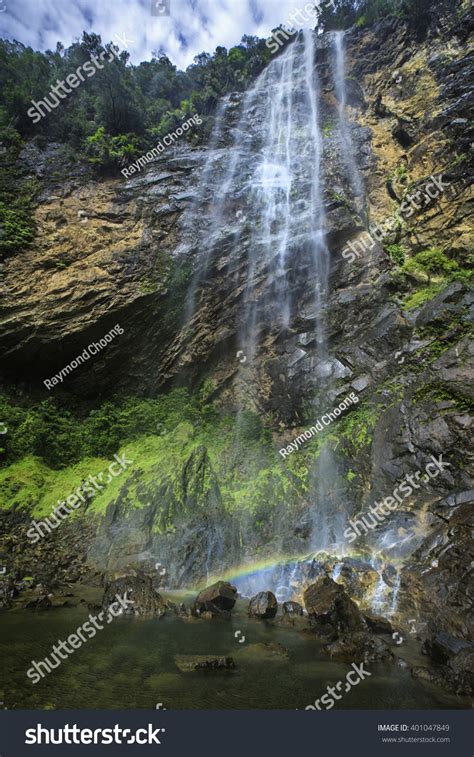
354	177
260	224
268	183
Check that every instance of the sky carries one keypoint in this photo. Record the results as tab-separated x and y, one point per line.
192	26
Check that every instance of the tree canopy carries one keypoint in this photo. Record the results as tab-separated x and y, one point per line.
123	106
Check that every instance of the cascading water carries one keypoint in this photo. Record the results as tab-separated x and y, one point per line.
261	212
348	150
268	182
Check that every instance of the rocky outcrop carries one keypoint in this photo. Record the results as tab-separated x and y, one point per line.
138	591
263	606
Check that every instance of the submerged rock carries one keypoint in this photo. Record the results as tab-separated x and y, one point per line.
188	663
331	610
359	647
42	602
218	663
263	605
218	599
270	649
138	588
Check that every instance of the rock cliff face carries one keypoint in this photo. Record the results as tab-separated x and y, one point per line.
147	253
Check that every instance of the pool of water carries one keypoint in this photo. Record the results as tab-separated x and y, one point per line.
131	664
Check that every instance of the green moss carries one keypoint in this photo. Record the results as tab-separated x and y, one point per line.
32	484
192	458
434	271
357	427
17	225
148	286
17	229
419	298
431	262
61	437
192	455
436	392
396	253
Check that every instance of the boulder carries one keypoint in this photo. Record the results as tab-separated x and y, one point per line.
263	605
378	624
218	663
455	662
331	610
218	599
292	608
138	588
180	609
7	592
359	647
42	602
443	647
461	672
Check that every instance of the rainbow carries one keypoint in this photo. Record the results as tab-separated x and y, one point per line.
247	570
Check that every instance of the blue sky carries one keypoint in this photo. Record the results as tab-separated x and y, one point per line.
192	27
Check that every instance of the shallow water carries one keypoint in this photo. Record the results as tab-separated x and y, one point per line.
130	664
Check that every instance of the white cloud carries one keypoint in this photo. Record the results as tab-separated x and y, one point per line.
192	27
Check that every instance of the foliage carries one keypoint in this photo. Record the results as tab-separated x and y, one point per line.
60	438
341	14
106	151
429	262
396	253
250	426
121	109
435	270
432	261
421	296
17	225
16	228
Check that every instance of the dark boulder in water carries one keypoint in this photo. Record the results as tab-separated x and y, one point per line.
292	608
263	605
331	610
218	599
138	594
